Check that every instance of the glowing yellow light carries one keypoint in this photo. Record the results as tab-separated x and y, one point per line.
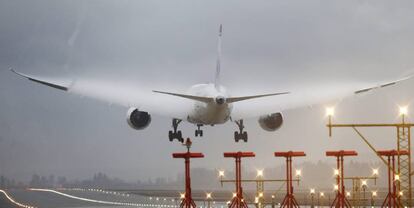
374	193
312	191
208	195
336	187
221	173
261	194
375	171
259	173
322	194
397	177
403	110
298	172
401	193
364	182
182	195
228	202
234	195
330	111
256	199
336	172
348	193
273	196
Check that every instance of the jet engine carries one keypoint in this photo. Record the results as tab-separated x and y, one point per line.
138	119
271	122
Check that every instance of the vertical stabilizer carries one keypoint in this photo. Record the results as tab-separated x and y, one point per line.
217	77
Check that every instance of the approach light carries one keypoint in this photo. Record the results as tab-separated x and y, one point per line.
330	111
403	110
312	191
397	177
364	182
259	173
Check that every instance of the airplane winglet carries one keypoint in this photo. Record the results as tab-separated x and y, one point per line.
41	81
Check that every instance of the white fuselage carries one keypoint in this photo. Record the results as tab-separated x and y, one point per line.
209	113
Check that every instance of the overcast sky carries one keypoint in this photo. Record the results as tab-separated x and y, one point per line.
267	45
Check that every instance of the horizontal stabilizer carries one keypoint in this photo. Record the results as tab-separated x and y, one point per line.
237	99
191	97
211	99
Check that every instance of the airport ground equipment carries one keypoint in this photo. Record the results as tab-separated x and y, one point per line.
260	182
238	200
340	199
359	183
187	200
289	201
392	199
403	131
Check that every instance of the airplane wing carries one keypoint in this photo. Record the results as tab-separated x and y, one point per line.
128	95
308	95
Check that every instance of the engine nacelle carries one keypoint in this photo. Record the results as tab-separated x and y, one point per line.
138	119
271	122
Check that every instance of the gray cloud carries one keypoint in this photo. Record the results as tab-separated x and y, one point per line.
266	45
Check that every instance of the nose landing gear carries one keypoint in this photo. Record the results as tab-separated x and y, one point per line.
198	131
175	134
240	135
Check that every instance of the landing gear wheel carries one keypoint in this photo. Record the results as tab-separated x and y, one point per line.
244	137
236	136
175	134
240	135
198	131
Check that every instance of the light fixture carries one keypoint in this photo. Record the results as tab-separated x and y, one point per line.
403	110
298	172
259	173
312	191
330	111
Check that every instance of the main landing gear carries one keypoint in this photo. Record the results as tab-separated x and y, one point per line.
198	131
240	135
175	134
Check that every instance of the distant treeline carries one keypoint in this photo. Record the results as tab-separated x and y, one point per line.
317	175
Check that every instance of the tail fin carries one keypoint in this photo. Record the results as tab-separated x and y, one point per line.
217	77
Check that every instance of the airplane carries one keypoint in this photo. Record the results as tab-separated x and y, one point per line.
211	104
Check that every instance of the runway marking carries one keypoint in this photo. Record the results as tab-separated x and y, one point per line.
15	202
99	201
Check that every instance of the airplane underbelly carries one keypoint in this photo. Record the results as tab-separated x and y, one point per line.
209	114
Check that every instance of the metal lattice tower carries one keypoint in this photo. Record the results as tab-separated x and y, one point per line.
404	162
